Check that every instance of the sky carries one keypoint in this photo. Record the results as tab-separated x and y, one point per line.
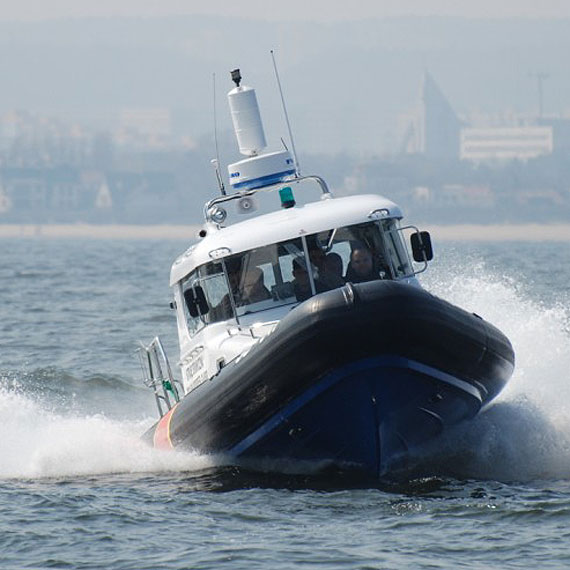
349	52
318	10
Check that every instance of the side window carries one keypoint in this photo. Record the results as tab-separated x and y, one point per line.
194	323
212	281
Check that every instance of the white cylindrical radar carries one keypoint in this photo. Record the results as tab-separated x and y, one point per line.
247	120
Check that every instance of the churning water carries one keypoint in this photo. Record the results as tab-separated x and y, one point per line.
79	490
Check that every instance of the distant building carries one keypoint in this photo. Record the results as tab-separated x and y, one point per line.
433	129
436	131
560	133
439	127
505	143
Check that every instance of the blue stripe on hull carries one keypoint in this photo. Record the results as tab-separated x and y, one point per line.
365	414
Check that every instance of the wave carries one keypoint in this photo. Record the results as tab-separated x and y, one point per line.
38	443
525	434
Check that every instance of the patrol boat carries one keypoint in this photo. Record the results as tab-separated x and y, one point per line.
306	341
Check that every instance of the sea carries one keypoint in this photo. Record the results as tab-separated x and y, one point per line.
80	490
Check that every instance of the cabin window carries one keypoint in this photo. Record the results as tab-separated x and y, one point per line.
355	253
292	271
212	280
396	251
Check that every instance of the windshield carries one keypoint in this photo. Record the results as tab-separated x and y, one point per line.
292	271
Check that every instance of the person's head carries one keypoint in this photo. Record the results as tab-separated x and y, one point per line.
333	264
299	270
361	261
317	257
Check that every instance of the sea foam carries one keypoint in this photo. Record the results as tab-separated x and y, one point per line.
39	442
525	433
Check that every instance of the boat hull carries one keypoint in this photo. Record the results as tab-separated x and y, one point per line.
354	378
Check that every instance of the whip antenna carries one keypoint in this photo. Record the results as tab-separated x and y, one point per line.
297	168
216	161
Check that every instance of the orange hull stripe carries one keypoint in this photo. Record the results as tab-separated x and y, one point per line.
161	438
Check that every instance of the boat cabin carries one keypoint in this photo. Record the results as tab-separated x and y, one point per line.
293	270
235	285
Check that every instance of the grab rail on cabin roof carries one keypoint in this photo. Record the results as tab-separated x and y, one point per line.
210	207
157	375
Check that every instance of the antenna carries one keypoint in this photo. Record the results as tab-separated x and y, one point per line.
216	162
297	168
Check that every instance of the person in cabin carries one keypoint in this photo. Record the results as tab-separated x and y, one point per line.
301	281
333	270
253	288
361	266
327	273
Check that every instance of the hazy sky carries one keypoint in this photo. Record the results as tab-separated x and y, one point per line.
292	9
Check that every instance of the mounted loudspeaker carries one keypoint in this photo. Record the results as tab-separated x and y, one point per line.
246	205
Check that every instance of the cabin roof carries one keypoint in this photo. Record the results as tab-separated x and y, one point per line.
281	225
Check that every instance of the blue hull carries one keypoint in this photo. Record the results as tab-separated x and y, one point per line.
365	416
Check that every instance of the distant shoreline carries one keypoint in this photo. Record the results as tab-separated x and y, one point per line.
459	232
99	231
501	232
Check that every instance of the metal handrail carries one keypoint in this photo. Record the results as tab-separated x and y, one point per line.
208	207
153	360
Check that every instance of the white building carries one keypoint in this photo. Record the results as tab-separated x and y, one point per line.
505	143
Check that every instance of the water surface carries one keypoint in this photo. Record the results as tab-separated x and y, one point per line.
79	490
